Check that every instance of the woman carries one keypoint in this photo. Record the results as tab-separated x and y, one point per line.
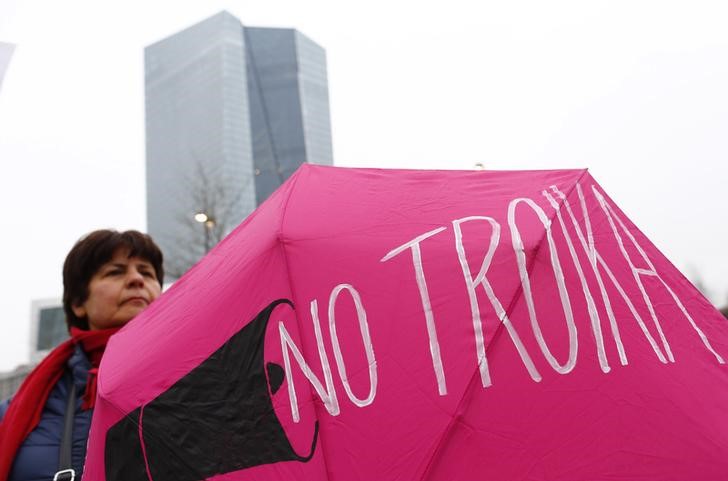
108	278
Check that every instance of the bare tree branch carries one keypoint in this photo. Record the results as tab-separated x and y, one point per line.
207	191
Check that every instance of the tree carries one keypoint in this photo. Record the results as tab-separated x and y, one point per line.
211	205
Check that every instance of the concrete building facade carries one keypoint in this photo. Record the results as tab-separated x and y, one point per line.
47	330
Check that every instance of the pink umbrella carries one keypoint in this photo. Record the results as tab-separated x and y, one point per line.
421	325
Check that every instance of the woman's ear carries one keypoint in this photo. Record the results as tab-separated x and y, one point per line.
79	310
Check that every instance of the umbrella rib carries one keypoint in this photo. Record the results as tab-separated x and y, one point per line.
464	399
294	178
180	460
303	349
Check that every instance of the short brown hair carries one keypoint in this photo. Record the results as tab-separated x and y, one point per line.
91	252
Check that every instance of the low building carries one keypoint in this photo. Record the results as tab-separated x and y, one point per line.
47	330
10	381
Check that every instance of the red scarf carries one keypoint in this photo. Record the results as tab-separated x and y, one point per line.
24	412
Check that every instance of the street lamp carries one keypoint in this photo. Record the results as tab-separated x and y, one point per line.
209	223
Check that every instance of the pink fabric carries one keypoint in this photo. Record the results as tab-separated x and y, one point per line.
599	360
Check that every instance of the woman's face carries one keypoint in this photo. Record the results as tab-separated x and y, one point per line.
118	291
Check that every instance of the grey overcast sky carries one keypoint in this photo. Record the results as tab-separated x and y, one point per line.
634	90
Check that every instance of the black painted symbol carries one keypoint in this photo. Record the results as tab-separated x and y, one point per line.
217	419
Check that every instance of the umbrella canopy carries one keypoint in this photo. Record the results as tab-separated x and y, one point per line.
421	325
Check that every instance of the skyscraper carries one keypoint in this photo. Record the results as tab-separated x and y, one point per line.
231	112
6	52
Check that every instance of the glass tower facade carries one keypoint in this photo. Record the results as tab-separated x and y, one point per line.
231	112
6	52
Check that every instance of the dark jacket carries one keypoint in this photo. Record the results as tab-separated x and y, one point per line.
37	458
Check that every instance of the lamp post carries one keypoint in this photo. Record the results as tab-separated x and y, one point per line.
208	222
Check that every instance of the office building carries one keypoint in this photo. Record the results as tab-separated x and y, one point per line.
231	112
47	327
47	330
6	52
